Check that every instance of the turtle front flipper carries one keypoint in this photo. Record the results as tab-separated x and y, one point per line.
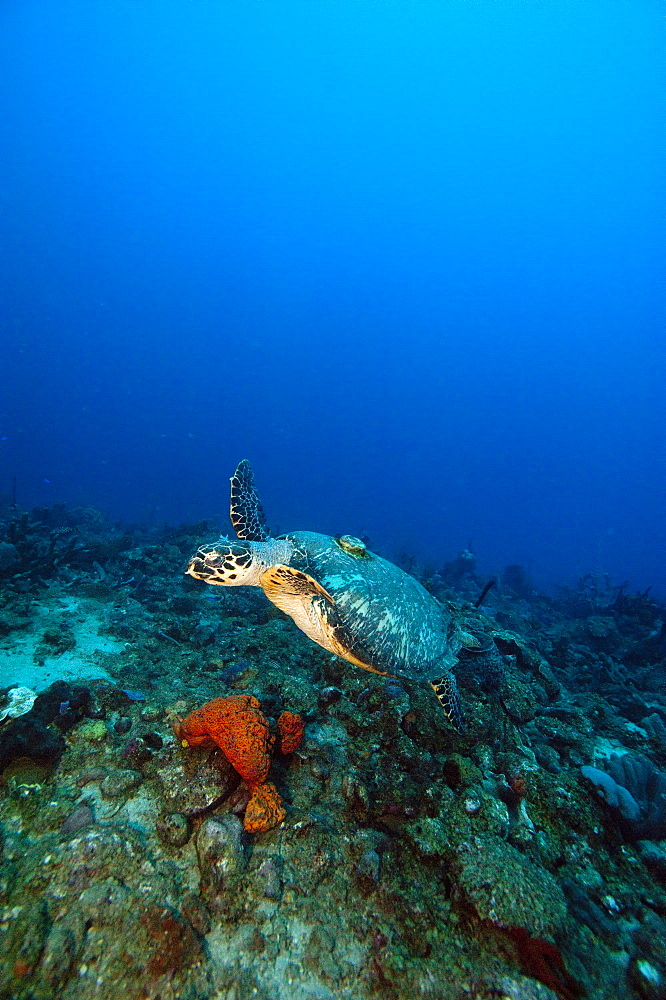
302	598
281	579
446	691
247	514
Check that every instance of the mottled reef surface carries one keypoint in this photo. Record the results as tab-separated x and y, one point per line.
525	858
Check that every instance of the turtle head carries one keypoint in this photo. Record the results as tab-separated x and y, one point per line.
228	563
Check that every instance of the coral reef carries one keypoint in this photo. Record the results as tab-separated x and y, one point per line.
19	701
405	859
637	789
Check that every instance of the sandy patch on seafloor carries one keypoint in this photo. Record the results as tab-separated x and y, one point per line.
20	666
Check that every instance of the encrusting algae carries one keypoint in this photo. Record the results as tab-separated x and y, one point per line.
237	726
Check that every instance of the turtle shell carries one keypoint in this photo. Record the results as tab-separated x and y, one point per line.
380	615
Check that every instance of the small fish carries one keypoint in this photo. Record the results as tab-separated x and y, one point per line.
394	689
134	695
234	670
64	707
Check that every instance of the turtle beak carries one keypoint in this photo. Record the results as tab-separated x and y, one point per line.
207	566
197	568
203	569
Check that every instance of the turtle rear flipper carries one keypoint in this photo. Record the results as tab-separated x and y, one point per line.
446	691
247	514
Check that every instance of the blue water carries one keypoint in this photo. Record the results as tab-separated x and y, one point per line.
405	257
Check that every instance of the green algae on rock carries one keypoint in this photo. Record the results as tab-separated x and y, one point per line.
91	732
507	888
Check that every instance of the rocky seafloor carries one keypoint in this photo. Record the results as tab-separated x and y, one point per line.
523	859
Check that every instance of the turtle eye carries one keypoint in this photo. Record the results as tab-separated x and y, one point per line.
213	559
205	550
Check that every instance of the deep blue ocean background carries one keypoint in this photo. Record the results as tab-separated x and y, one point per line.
406	257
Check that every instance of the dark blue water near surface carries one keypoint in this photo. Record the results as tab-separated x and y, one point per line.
405	257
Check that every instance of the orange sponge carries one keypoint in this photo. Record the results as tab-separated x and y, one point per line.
264	810
237	726
291	728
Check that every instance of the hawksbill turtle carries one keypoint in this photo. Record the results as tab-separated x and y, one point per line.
347	599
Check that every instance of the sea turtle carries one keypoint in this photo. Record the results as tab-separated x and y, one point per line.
344	597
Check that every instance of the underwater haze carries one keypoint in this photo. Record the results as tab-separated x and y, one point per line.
405	257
